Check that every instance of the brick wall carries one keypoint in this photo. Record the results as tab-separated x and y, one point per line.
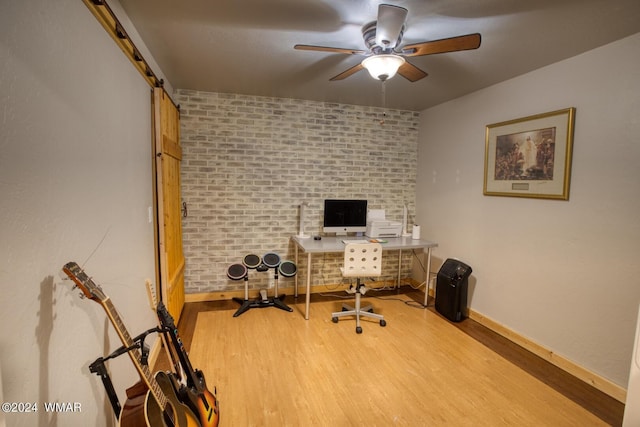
248	163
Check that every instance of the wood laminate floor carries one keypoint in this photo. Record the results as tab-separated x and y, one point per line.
272	367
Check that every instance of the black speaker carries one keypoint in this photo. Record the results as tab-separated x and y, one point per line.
452	284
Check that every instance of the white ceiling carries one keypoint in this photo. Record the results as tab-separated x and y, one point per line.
246	46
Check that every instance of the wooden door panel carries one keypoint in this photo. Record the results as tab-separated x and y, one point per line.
168	157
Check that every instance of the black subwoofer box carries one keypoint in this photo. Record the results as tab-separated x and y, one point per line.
452	284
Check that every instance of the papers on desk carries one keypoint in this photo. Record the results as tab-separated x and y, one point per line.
347	241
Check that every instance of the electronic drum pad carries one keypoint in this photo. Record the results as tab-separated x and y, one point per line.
237	272
252	261
271	260
287	269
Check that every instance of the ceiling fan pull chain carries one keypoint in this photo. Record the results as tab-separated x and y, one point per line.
384	103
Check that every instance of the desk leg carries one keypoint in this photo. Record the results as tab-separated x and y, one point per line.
399	267
426	290
308	300
295	280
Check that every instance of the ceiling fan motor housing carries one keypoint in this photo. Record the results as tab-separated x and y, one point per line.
369	36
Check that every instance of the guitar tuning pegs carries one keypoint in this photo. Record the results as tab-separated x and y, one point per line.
82	295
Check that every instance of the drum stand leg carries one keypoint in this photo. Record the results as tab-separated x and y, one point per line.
244	304
277	300
260	302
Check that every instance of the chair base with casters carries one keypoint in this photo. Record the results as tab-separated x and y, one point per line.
360	260
358	311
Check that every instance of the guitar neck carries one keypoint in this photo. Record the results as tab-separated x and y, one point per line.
166	321
134	353
169	349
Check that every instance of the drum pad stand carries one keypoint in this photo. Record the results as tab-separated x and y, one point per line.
263	301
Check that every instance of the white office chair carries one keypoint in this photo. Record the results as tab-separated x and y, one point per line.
360	260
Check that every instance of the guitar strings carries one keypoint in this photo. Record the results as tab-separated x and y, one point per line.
65	277
96	248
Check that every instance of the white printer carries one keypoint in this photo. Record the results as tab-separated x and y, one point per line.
378	226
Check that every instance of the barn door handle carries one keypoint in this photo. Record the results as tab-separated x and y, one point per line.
184	210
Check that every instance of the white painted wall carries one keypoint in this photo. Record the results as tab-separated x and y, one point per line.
75	185
563	273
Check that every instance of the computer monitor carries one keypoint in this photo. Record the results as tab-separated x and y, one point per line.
345	216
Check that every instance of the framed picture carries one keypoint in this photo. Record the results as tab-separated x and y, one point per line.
530	157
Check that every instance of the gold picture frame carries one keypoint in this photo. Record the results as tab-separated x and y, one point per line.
531	156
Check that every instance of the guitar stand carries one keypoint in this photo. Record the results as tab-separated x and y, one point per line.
263	301
98	367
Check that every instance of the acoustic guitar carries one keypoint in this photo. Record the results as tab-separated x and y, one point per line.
152	401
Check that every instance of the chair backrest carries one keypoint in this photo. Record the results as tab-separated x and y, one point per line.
362	260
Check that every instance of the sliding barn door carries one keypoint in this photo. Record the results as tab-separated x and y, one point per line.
166	121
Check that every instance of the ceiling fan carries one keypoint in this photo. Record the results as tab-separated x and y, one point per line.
385	54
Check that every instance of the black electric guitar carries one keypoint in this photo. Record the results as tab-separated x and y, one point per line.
179	373
192	389
195	393
153	401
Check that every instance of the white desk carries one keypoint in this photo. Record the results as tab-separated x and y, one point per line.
335	245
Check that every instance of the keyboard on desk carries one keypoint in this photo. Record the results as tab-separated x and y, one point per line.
346	241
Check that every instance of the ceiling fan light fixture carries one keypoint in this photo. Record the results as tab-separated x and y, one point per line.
383	67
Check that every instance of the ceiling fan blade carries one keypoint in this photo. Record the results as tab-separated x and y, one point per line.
390	22
453	44
347	73
329	49
411	72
